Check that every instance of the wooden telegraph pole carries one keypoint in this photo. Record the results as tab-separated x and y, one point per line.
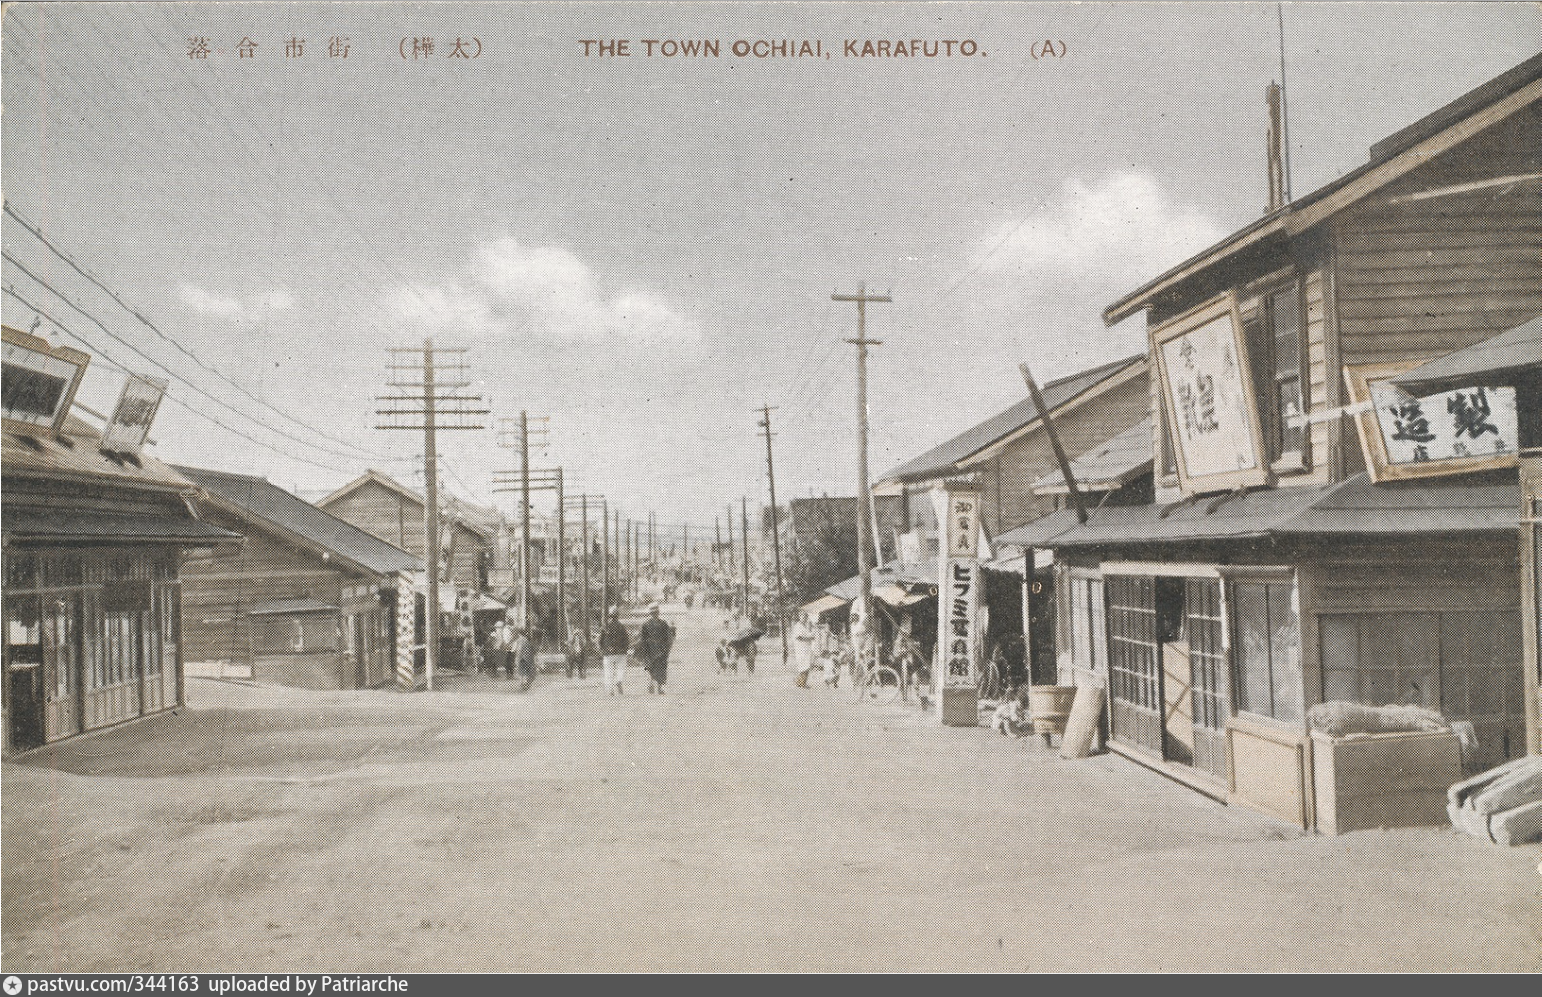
776	540
438	405
866	544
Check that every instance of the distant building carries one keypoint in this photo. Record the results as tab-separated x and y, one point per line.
305	600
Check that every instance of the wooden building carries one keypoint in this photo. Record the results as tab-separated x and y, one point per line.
1004	455
92	545
383	507
306	600
1316	536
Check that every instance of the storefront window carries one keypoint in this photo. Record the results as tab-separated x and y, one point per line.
1268	650
312	633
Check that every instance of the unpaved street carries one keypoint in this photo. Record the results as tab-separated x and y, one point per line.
736	823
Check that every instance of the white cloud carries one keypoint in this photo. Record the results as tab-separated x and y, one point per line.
206	303
543	292
1122	229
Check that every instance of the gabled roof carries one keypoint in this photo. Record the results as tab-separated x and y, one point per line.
478	519
1390	159
948	457
256	498
1506	355
1112	465
1352	508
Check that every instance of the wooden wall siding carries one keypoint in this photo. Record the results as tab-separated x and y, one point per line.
217	587
1431	276
383	513
1009	481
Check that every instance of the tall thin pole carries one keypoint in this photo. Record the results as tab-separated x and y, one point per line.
430	516
1054	441
524	518
776	539
717	548
1279	9
744	512
583	597
865	542
562	564
604	561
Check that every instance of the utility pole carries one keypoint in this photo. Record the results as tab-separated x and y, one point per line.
523	446
744	513
717	548
438	406
865	543
583	597
776	539
604	562
525	481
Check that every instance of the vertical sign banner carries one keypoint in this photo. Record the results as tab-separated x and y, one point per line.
958	590
129	426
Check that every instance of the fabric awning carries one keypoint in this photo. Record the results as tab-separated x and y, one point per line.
898	596
822	605
1493	361
63	525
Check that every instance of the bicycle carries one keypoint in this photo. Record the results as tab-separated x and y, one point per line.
875	682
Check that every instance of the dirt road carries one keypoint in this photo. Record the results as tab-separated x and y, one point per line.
735	823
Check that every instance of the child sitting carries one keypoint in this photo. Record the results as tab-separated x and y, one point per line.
1011	716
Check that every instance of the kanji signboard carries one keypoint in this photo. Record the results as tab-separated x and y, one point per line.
1446	432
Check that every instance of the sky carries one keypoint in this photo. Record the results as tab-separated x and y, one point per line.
640	250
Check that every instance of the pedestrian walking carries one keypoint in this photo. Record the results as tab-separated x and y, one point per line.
803	649
654	641
724	653
524	659
498	651
614	643
578	654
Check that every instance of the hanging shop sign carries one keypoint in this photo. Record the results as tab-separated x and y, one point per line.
129	426
958	584
1208	399
38	381
1418	436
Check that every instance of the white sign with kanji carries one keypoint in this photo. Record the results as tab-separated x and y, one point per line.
1208	400
1459	424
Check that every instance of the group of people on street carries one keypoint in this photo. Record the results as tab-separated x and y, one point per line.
655	639
511	651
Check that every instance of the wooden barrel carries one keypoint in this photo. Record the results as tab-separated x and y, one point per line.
1049	706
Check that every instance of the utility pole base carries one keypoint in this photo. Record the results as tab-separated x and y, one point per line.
960	706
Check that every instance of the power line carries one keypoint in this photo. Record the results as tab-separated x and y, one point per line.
174	399
78	268
161	366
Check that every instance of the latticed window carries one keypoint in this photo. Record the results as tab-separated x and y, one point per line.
1275	337
1132	630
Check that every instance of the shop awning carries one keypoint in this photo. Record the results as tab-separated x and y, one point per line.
1355	507
899	597
482	602
1494	361
62	525
1103	469
822	605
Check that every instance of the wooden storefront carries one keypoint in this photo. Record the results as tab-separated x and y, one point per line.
92	547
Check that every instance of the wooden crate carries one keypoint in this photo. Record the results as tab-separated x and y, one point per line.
1383	780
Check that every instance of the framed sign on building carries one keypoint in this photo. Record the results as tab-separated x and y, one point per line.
40	380
1207	398
1452	431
